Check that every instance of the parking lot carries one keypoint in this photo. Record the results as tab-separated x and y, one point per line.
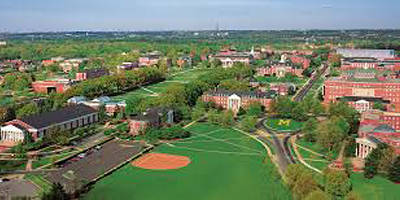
83	168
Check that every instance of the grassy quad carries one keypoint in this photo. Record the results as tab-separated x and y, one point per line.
225	165
375	189
160	88
283	124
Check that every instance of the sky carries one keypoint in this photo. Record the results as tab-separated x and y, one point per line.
158	15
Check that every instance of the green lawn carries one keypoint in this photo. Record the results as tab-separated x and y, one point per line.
377	188
284	124
225	165
183	76
317	148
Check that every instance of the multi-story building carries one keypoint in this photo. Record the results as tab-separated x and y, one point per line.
378	127
39	125
235	100
392	65
366	53
279	70
230	57
299	60
363	91
151	118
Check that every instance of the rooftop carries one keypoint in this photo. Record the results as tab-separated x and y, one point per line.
46	119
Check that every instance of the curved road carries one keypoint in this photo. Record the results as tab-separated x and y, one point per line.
281	146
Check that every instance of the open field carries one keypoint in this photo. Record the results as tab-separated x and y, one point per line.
377	188
151	90
225	164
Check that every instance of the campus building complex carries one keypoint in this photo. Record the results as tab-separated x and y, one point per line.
235	100
363	91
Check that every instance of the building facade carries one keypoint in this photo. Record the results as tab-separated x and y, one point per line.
230	100
362	94
279	70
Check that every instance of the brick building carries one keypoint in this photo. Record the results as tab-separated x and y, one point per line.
235	100
230	57
363	93
38	125
91	73
47	87
279	70
378	127
298	60
392	65
151	118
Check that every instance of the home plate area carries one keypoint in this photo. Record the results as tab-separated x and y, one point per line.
161	161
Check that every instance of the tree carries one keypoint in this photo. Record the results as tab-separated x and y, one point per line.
386	161
352	196
394	171
341	109
309	129
379	106
300	180
283	106
6	114
372	161
234	85
337	183
332	132
56	192
249	123
174	95
254	109
27	109
227	118
317	195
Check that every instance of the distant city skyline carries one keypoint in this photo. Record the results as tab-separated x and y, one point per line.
158	15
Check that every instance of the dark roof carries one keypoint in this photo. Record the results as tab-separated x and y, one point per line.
54	117
256	94
151	115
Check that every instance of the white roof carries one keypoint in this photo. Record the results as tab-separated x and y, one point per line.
11	128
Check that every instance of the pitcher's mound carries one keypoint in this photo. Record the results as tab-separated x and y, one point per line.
161	161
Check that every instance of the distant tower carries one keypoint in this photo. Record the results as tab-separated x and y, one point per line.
217	27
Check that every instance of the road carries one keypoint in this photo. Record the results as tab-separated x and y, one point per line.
282	149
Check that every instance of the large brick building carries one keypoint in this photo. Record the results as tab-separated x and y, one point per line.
363	93
37	126
370	63
230	57
279	70
235	100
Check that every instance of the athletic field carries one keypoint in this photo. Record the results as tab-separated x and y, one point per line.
225	164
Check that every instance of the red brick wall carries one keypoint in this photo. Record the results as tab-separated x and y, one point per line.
41	86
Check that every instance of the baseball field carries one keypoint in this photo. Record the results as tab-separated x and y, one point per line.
218	163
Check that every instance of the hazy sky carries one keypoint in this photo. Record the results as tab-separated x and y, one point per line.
61	15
